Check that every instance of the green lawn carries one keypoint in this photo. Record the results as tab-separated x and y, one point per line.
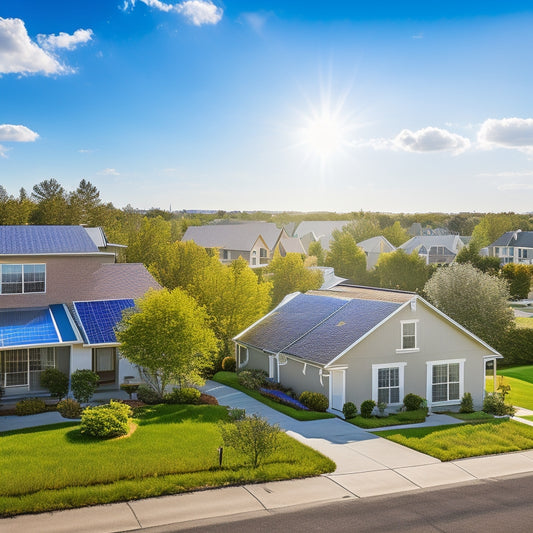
520	378
448	443
525	373
174	449
230	379
524	321
395	419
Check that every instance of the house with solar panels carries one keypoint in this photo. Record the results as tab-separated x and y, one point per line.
354	344
61	296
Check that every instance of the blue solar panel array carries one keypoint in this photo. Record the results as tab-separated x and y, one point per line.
27	327
45	239
99	318
290	321
63	323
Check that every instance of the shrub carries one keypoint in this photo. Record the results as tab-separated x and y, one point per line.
129	388
229	364
148	395
412	402
467	403
252	436
253	379
494	404
106	421
30	406
236	414
55	381
315	401
349	410
187	395
69	408
83	384
282	397
367	407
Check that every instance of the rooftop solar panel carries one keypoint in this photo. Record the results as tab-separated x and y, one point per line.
63	323
27	327
98	318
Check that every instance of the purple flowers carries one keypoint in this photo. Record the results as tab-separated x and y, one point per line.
283	398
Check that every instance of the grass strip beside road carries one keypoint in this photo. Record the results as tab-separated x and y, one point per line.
173	450
394	419
448	443
230	379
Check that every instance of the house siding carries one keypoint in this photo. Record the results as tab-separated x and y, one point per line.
291	375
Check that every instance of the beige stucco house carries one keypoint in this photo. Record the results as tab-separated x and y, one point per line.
354	344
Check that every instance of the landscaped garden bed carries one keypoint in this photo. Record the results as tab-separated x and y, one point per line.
173	450
448	443
394	419
231	380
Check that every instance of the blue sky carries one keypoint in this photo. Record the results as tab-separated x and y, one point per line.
382	106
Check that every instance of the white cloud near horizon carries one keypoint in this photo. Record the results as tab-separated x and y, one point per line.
515	187
197	12
65	40
425	140
17	133
514	133
20	55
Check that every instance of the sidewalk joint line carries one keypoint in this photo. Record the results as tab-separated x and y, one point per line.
254	496
134	514
342	487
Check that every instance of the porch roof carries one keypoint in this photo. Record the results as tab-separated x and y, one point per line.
22	327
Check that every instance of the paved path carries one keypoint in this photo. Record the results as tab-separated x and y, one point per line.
367	465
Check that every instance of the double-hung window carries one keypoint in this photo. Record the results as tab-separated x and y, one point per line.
388	382
409	340
22	279
445	381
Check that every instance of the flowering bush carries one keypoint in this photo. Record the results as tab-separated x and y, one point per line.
281	397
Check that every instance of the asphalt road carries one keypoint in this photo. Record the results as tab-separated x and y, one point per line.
503	505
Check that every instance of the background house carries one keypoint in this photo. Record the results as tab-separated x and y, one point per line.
355	343
310	231
435	249
373	248
254	242
60	298
513	247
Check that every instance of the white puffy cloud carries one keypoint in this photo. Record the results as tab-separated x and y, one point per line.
430	140
17	133
197	12
19	54
65	40
109	172
507	133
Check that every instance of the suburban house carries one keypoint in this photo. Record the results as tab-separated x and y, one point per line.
357	343
60	298
318	230
255	242
373	248
513	247
435	249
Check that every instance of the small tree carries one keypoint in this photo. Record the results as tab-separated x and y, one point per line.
253	436
83	384
519	278
55	381
346	258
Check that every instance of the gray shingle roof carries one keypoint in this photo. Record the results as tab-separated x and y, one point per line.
317	328
26	240
321	230
452	242
515	238
233	236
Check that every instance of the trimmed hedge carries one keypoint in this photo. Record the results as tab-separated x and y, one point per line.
55	381
413	402
229	364
187	395
367	407
148	395
106	421
30	406
314	401
516	346
349	410
69	408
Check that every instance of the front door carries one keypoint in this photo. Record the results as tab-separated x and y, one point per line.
336	389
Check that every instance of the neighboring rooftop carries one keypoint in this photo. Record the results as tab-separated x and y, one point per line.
320	229
29	240
451	242
515	238
366	293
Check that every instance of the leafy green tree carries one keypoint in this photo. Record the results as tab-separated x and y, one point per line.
149	244
52	205
365	227
83	383
395	234
252	436
476	300
399	270
233	297
346	258
84	203
470	254
316	250
494	225
519	278
169	338
288	274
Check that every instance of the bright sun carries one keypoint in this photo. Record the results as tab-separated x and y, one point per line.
324	134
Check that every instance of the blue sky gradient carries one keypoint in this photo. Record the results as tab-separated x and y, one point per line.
384	106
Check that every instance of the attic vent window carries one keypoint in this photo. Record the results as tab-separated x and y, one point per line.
341	323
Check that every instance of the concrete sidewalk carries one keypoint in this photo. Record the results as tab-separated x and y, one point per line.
367	465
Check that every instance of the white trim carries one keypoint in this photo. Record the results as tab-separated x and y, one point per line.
343	388
416	348
429	380
401	379
304	369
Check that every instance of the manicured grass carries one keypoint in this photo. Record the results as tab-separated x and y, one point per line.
521	393
174	449
394	419
465	440
525	373
527	418
476	416
230	379
524	321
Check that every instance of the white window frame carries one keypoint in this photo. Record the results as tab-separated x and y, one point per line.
22	265
416	347
429	381
401	379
